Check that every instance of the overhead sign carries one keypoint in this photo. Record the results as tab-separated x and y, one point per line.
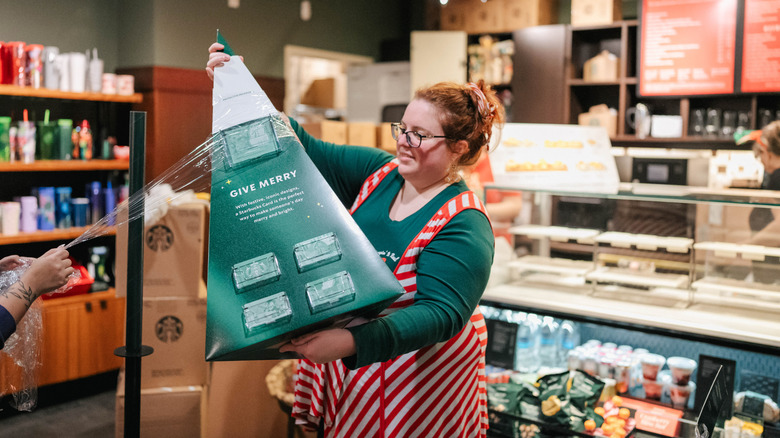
761	47
687	47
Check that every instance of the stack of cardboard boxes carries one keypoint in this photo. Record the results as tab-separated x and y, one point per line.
353	133
182	395
174	377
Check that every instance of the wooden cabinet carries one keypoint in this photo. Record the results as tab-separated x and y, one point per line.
79	335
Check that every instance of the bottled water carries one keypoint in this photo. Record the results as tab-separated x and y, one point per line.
549	342
570	337
526	356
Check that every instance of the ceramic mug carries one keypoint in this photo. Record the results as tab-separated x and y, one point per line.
640	119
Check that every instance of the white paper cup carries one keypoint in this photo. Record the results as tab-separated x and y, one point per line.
63	67
11	215
95	76
78	72
109	83
51	71
125	85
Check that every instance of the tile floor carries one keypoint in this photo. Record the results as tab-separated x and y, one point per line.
81	409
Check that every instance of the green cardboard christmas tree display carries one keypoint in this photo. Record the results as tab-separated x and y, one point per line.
285	256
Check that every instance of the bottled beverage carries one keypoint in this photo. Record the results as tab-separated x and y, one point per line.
526	358
549	342
570	337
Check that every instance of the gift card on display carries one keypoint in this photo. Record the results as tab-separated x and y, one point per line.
285	256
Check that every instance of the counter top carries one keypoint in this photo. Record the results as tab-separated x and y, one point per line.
668	313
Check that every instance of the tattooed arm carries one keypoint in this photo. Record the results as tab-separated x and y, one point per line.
45	274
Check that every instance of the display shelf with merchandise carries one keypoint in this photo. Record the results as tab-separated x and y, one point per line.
82	330
621	93
647	282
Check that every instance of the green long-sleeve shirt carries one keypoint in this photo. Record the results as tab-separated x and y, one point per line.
452	271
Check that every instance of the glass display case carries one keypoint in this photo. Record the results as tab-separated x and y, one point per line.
685	273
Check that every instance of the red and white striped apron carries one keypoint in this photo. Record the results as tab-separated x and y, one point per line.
436	391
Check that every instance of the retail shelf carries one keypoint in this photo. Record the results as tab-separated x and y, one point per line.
616	25
637	278
756	329
12	90
65	165
558	234
53	300
722	298
645	242
567	267
584	83
690	142
733	286
48	236
734	250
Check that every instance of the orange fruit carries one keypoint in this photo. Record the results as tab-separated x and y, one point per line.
617	401
620	432
624	413
590	425
607	428
599	410
611	420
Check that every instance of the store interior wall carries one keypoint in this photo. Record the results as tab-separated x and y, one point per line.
175	33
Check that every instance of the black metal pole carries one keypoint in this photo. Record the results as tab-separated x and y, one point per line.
133	351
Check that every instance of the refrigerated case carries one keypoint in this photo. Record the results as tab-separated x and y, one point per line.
669	269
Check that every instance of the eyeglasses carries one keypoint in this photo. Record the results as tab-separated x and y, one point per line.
414	138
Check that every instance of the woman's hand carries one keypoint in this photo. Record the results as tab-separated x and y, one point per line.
217	58
10	262
323	346
48	272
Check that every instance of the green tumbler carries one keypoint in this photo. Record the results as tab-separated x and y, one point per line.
65	145
5	143
48	140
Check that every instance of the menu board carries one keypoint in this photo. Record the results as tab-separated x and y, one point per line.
687	47
761	46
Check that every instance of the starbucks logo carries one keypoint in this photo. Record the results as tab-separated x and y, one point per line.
159	238
168	329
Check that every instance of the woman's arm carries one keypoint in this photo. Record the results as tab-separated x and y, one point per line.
345	168
45	274
452	273
770	234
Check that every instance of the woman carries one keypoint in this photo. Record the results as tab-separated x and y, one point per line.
765	222
45	274
418	369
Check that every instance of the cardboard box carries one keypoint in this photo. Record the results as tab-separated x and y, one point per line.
600	115
176	329
525	13
333	131
174	251
174	412
484	17
595	12
385	139
361	134
321	93
237	392
603	67
453	15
